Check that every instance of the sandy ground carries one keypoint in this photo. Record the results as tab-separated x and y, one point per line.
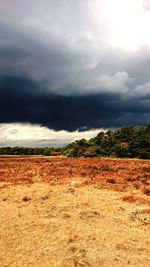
74	224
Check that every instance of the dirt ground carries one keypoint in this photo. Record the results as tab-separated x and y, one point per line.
74	212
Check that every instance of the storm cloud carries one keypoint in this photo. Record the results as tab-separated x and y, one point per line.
61	68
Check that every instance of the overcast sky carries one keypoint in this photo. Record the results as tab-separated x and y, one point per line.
72	65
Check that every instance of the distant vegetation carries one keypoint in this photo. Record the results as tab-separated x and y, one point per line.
30	151
126	142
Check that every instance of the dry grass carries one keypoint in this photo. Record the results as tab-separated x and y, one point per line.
129	198
74	212
117	174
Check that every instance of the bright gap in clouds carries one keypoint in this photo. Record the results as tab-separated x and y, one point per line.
126	22
17	134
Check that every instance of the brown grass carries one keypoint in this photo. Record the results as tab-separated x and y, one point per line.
146	191
69	212
129	198
116	174
145	211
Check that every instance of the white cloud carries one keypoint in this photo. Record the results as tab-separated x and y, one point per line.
125	22
118	82
141	90
13	134
92	82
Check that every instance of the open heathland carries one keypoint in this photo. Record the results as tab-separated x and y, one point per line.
67	212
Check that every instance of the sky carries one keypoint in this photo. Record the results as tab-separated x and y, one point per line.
71	68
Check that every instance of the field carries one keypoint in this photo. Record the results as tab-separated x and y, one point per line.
69	212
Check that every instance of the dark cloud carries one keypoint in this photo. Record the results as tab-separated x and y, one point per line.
21	100
58	69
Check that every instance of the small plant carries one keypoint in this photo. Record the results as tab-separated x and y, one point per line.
143	218
26	199
111	181
105	168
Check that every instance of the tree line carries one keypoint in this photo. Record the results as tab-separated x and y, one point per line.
30	151
126	142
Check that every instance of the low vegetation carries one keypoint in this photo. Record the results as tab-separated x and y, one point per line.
115	174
